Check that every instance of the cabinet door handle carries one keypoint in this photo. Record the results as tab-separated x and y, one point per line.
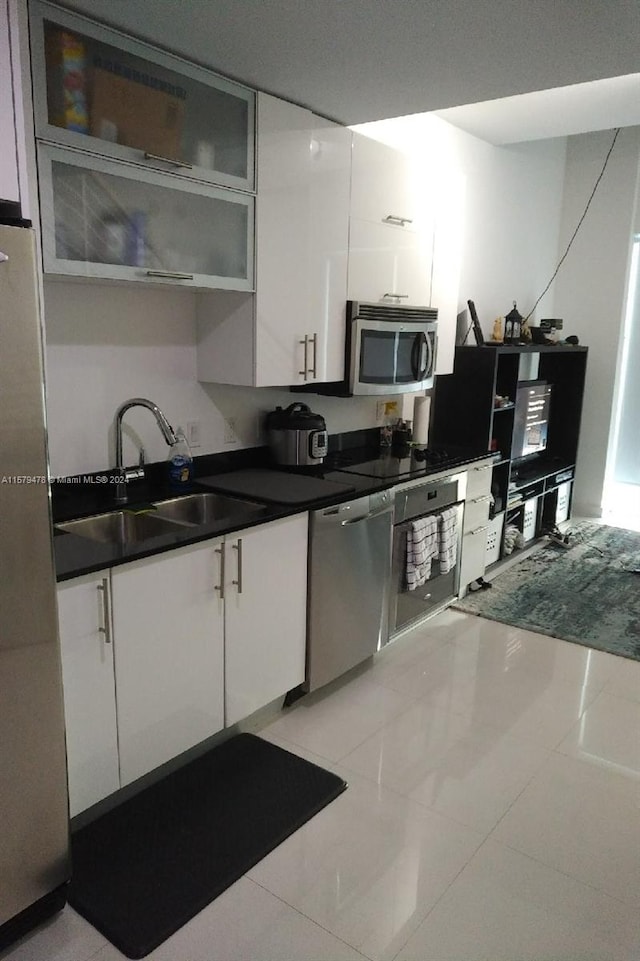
314	369
479	500
238	547
220	587
478	530
396	296
395	219
305	363
168	160
173	274
488	467
105	627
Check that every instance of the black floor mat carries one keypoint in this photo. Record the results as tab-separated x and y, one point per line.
146	867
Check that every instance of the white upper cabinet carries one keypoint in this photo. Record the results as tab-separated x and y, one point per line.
292	332
388	265
392	224
302	224
9	189
386	187
101	91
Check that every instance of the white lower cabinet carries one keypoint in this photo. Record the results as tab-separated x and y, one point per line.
265	615
162	653
89	692
169	655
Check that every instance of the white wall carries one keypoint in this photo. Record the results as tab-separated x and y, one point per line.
105	344
591	287
510	219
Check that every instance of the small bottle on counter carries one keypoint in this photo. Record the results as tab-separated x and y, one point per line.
180	463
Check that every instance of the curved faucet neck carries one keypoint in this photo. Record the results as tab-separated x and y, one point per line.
165	428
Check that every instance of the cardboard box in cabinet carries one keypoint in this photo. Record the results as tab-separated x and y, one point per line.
136	114
65	54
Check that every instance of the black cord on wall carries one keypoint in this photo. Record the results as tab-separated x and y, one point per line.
575	232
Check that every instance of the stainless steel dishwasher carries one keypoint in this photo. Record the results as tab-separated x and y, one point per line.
349	581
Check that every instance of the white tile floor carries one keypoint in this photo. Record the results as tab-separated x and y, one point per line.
493	812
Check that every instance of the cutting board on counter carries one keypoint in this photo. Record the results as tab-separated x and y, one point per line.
277	487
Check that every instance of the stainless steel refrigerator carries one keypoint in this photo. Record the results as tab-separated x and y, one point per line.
34	821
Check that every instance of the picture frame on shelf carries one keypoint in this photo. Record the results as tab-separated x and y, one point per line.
475	323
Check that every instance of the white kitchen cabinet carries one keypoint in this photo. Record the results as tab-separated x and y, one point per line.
265	614
9	188
387	186
105	219
86	644
100	91
292	331
169	655
476	523
388	264
391	228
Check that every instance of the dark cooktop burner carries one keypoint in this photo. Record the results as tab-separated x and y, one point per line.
388	465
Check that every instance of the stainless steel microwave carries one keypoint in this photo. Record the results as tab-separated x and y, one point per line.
390	349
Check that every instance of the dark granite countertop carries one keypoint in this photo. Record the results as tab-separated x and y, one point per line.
91	494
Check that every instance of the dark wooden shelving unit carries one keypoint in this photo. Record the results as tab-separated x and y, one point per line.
534	493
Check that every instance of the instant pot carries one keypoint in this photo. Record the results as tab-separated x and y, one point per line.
297	437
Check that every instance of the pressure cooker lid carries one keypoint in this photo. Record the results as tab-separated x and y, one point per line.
295	417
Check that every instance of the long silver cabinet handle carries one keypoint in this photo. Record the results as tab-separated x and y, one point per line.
173	274
314	369
168	160
238	547
394	219
220	587
3	257
305	363
478	530
479	500
486	467
397	296
366	517
105	627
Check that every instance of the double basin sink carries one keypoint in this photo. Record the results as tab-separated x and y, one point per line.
125	527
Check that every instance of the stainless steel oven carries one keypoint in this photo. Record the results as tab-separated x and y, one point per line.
413	501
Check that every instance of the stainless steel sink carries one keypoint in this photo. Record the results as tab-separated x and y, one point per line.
121	527
207	508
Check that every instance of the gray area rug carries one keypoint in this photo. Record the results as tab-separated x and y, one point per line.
584	593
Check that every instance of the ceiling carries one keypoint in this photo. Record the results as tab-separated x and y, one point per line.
361	60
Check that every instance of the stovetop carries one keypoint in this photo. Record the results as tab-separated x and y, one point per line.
387	465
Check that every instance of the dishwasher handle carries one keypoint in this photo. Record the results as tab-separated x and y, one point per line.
367	517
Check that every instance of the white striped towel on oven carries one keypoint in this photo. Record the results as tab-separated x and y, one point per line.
422	548
448	539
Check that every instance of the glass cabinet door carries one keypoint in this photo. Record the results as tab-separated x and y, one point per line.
98	90
105	219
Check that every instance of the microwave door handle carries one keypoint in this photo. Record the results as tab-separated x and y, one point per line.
415	357
429	356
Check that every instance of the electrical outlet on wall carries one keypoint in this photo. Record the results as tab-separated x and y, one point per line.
230	435
194	437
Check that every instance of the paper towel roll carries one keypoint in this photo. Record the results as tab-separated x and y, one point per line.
421	414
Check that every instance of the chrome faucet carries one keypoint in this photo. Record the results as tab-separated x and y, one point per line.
126	474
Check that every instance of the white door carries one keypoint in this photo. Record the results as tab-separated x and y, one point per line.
265	614
282	241
168	629
89	692
329	246
388	264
